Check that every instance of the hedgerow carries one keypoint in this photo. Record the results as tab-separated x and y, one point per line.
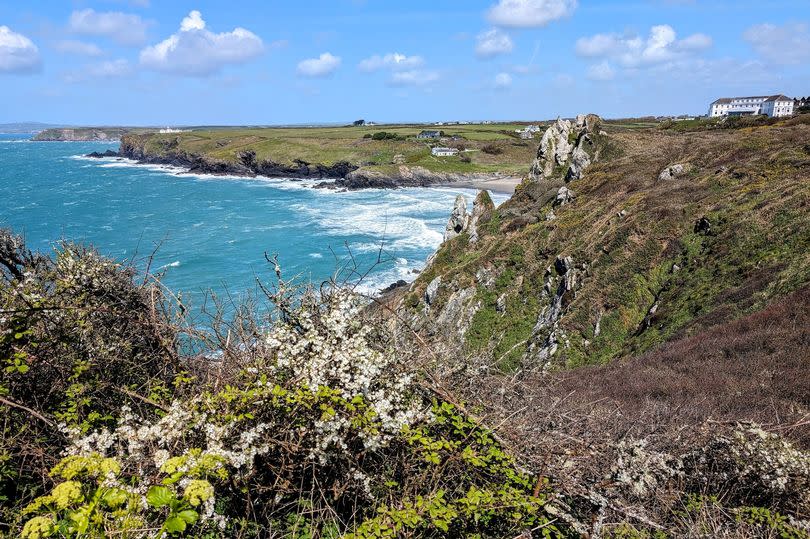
316	427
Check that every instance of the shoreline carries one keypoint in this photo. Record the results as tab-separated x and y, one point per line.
338	176
504	185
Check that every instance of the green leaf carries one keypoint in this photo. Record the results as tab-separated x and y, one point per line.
189	515
175	524
159	496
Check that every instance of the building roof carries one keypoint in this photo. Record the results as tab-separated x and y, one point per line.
727	100
779	97
429	132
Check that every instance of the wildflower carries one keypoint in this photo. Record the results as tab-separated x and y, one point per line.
67	493
38	527
198	491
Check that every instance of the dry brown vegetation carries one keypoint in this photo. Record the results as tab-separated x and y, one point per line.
668	405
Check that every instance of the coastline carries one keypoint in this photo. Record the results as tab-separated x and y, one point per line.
342	175
503	185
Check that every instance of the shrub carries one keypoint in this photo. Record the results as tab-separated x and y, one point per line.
385	135
317	426
77	339
492	149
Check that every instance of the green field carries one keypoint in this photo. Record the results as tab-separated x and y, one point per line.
484	147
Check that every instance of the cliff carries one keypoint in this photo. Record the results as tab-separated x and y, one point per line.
357	157
619	240
167	153
83	134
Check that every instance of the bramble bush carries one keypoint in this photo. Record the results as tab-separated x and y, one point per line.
313	426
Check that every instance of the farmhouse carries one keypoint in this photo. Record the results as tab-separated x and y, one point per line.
773	105
440	151
429	135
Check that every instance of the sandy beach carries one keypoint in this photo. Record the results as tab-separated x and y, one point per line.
498	185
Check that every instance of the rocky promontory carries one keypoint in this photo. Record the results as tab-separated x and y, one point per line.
346	175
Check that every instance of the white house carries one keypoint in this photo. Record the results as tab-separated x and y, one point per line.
170	130
773	105
778	105
440	151
528	131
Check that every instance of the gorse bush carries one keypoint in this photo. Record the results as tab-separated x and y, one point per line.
318	429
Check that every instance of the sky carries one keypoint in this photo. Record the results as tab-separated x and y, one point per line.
261	62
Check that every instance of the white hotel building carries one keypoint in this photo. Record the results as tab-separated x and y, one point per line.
773	105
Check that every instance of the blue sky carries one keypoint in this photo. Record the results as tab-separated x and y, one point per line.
160	62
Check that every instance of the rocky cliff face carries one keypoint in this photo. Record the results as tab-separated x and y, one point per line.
596	256
135	147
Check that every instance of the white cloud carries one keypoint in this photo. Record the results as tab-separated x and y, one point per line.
415	77
503	80
123	28
786	44
111	69
529	13
70	46
392	60
695	42
18	54
492	43
660	46
197	52
602	71
322	66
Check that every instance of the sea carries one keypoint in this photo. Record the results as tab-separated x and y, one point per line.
212	234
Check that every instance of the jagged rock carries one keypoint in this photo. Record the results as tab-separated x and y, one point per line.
569	144
673	172
458	313
99	155
566	277
482	208
563	264
432	290
703	226
485	277
500	303
550	215
564	196
458	219
554	149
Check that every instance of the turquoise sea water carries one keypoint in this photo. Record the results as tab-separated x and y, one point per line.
212	232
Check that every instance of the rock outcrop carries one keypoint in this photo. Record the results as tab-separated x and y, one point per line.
561	284
673	172
510	283
567	148
461	221
458	219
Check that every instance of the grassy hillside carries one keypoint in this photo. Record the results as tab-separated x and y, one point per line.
505	153
653	259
